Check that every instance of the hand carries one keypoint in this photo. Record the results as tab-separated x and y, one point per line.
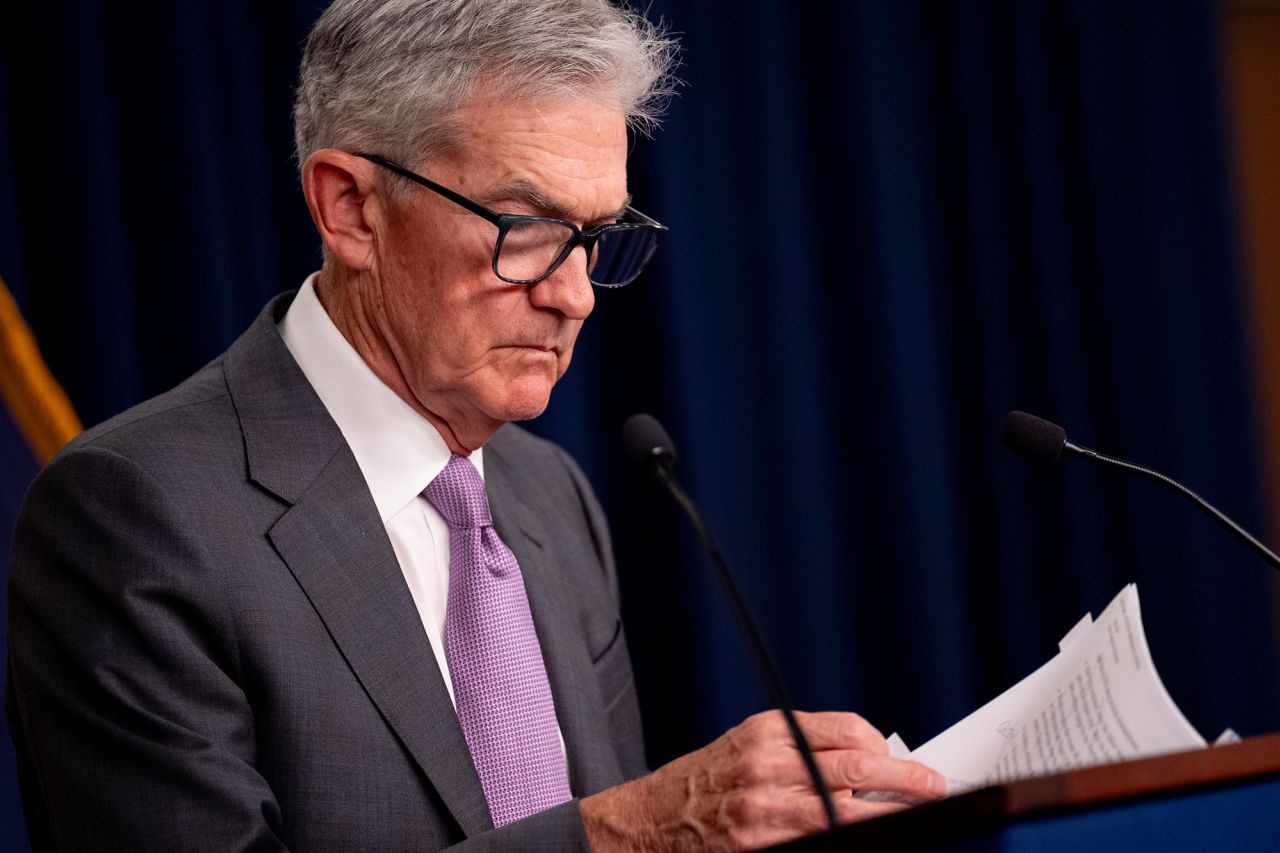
749	788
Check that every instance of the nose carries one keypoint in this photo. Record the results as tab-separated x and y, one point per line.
567	290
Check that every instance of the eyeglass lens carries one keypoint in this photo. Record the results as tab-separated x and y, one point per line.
621	255
530	248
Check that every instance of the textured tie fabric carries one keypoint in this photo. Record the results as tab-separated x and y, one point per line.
499	680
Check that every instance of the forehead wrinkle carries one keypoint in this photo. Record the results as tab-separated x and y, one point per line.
563	157
524	191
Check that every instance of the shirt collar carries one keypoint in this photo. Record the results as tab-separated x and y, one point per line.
398	450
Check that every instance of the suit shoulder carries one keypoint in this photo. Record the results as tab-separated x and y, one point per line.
191	426
202	387
200	409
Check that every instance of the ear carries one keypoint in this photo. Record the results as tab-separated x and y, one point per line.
344	203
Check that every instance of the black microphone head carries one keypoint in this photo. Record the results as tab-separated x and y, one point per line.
1032	436
645	439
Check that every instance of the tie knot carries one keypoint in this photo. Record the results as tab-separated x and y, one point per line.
458	494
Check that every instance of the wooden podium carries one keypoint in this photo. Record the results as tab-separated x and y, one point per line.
1221	798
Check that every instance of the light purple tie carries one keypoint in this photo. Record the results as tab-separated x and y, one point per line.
499	681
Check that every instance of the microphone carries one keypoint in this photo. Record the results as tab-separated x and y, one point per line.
647	440
648	443
1041	439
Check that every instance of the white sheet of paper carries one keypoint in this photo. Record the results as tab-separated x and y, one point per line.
898	747
1099	700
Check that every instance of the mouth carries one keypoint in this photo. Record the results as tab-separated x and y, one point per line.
537	348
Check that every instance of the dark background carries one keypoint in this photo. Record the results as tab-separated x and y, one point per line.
891	222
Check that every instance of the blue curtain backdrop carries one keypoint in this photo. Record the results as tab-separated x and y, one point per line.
18	465
891	222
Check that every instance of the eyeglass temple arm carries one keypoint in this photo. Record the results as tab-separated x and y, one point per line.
458	199
462	201
648	220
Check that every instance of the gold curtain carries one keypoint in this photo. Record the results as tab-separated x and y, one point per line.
35	400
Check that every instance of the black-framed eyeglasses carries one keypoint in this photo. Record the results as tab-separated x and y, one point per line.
531	248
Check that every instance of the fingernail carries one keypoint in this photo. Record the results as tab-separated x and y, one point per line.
938	787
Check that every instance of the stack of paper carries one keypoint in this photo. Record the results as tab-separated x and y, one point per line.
1098	701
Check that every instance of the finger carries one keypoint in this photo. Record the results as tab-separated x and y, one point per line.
768	819
851	809
824	730
869	771
808	815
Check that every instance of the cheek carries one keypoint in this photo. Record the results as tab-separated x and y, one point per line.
443	307
458	337
437	262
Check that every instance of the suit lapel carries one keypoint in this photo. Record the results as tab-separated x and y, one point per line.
333	541
338	550
593	763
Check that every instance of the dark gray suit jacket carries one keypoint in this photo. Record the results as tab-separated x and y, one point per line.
212	647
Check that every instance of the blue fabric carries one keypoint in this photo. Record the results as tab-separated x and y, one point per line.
18	466
890	223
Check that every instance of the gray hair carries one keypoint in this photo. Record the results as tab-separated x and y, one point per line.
387	75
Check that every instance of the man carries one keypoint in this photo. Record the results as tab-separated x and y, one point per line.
270	609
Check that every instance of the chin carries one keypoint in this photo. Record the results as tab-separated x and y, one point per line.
523	414
522	402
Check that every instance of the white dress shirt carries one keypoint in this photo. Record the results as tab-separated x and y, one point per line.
398	451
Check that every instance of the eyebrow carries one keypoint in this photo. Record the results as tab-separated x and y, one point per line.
523	191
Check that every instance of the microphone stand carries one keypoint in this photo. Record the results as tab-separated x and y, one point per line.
1077	452
663	469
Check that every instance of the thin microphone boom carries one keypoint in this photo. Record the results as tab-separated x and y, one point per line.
647	441
1038	438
